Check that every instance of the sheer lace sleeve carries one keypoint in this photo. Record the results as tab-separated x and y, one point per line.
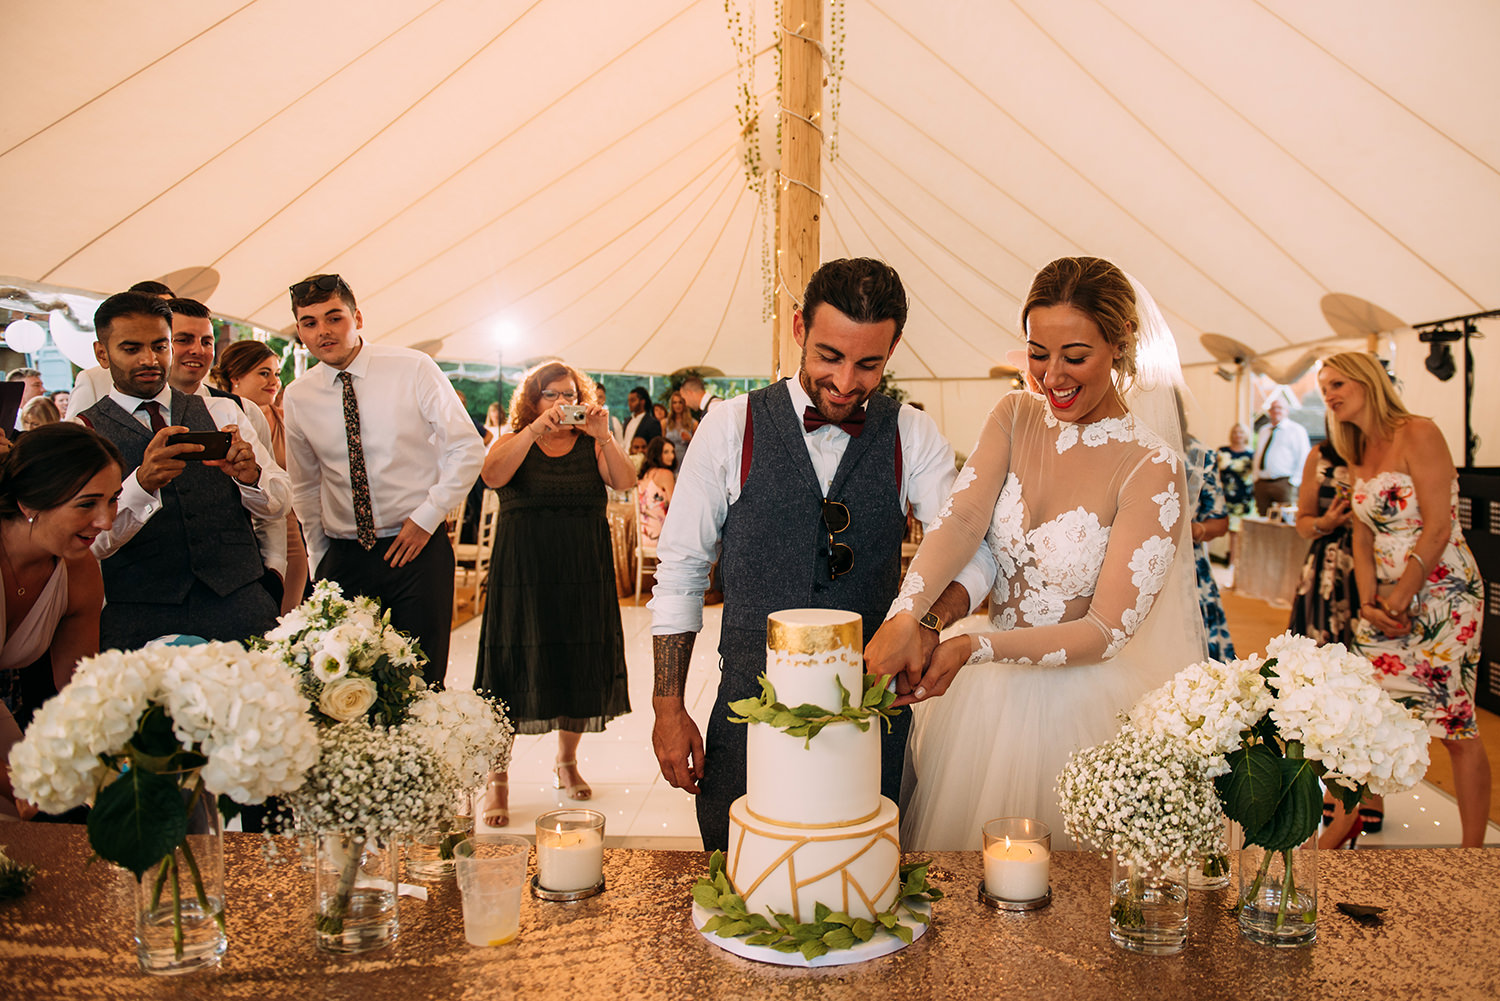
1142	545
952	538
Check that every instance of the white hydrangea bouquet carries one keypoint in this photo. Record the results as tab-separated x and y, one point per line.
348	658
146	735
1276	730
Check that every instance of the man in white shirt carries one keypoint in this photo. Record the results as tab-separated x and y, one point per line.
697	396
182	556
1278	459
801	491
380	450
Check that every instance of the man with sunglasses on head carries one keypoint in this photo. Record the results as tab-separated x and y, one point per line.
380	450
801	492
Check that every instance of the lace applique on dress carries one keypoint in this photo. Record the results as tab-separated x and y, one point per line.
1149	564
1171	506
1068	551
1057	658
912	586
983	653
1006	537
965	476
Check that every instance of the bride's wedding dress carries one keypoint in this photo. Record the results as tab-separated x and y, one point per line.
1086	522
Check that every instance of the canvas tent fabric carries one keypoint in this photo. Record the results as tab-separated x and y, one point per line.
561	176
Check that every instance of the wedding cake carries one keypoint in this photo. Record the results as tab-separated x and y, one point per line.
812	827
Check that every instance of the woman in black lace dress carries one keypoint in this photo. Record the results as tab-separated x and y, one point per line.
551	644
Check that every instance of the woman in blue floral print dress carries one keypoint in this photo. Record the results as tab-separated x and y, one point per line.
1420	591
1210	520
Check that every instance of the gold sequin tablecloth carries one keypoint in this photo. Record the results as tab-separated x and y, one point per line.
70	938
622	543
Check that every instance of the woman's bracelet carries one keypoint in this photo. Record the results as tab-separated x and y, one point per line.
1420	562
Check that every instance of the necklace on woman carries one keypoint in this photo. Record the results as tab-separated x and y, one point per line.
10	571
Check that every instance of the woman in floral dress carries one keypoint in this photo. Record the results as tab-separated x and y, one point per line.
1210	520
1082	503
1235	461
1324	607
1420	592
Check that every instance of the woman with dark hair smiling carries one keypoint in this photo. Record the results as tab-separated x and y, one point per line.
58	490
654	491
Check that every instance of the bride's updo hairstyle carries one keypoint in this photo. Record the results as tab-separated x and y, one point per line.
1101	291
47	467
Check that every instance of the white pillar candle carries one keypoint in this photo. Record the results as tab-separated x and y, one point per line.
570	860
1016	870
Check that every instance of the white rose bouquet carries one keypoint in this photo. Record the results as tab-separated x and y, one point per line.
350	662
147	735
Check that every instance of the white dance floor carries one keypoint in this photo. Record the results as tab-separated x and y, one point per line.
643	811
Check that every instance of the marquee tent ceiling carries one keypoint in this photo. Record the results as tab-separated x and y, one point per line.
562	176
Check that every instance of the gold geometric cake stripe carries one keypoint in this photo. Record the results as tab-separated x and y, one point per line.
815	827
882	833
785	637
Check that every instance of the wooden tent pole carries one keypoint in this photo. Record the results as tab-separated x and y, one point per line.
799	204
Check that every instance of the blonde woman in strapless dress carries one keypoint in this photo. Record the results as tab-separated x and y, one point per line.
1420	592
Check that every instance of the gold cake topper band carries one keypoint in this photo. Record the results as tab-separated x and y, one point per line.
786	637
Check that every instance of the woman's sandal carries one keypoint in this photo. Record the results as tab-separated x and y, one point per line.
494	807
578	790
1373	820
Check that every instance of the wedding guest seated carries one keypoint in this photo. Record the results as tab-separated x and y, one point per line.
39	412
58	490
654	491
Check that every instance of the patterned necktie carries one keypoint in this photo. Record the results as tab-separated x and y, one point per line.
153	410
1265	450
359	483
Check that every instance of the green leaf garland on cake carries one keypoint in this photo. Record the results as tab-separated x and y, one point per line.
829	930
807	720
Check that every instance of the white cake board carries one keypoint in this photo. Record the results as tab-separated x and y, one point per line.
883	943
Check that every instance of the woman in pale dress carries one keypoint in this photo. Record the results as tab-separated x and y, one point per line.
1421	598
1083	502
59	486
252	371
655	486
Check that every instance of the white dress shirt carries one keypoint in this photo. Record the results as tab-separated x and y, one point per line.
422	454
709	482
1286	453
90	386
266	502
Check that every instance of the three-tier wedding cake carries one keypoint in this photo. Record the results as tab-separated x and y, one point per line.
812	827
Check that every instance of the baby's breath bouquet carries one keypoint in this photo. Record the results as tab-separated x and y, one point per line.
472	734
351	662
370	787
148	737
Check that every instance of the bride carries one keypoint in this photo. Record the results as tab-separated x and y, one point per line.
1082	499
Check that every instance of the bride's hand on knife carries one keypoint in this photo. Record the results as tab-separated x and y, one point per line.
950	655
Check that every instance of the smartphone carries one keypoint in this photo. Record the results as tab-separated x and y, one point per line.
215	444
570	413
1340	490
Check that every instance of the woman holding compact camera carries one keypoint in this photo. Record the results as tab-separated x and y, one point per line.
551	644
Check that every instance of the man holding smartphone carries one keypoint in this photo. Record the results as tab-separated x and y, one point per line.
380	450
182	556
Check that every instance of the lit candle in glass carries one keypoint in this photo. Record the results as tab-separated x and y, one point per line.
1017	859
570	850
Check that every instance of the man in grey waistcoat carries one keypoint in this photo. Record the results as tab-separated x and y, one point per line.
182	556
801	491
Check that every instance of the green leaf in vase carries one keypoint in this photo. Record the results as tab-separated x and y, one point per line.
1297	815
137	820
1252	789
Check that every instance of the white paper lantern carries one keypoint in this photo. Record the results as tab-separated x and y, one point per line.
76	345
25	336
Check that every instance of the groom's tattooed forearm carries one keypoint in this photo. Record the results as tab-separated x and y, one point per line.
672	654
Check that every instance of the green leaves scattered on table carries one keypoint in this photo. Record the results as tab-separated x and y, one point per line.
807	720
829	929
15	877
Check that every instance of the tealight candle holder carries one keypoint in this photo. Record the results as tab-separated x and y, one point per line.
569	855
1017	864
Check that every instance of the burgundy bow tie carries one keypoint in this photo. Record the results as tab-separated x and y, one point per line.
853	425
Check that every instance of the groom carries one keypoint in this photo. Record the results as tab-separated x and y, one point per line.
763	490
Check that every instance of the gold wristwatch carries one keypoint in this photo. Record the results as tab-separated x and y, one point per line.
931	621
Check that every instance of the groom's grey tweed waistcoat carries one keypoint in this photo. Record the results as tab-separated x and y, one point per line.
774	556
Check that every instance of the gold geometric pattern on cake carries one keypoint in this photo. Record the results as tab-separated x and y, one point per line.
786	637
859	846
